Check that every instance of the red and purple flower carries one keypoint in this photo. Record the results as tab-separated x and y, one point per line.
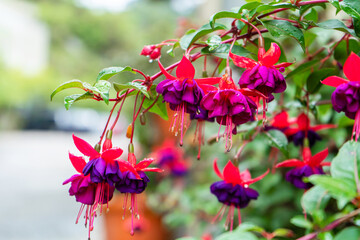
309	166
263	75
183	92
233	191
346	97
230	106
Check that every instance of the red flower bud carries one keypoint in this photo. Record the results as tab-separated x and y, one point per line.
155	54
151	51
147	50
107	144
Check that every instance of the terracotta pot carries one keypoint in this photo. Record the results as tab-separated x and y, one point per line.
148	227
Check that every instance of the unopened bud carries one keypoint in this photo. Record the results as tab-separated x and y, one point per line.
129	131
97	147
131	148
155	54
147	50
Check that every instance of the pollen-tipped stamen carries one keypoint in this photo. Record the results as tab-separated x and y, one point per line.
356	128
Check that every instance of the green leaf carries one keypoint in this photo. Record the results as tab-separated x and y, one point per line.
159	107
278	140
266	7
301	222
356	23
69	100
213	42
337	187
131	85
336	4
224	14
103	88
223	51
315	198
107	73
282	232
336	24
313	83
303	68
343	165
190	38
249	6
343	50
349	233
236	235
171	50
312	15
70	84
351	7
281	28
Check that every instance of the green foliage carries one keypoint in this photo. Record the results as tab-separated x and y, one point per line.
278	140
109	72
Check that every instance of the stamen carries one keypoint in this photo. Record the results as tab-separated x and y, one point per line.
356	128
125	204
132	214
217	215
239	216
232	217
80	212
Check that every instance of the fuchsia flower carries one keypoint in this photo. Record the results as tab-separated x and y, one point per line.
171	158
183	92
230	105
134	182
151	51
233	191
305	130
309	166
101	166
263	75
346	97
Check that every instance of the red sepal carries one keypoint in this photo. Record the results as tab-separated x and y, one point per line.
303	122
111	154
323	126
284	65
152	170
281	120
290	163
325	164
334	81
306	154
216	169
185	69
245	175
252	92
127	166
231	173
210	80
144	163
242	62
207	88
272	56
318	158
257	178
166	74
78	162
351	67
85	148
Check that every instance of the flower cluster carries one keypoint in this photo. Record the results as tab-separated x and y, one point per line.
102	174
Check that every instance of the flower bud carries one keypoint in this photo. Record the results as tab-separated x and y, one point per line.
129	131
151	51
147	50
155	54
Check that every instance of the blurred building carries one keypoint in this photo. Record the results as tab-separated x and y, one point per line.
24	40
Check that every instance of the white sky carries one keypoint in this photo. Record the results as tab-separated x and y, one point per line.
107	5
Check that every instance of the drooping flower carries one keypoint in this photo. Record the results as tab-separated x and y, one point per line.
134	182
305	131
309	166
230	106
263	75
233	191
183	92
90	194
346	97
171	158
102	167
280	121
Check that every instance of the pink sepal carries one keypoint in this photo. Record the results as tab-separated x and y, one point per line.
303	122
318	158
271	56
144	163
351	67
127	166
111	154
152	170
290	163
185	69
166	74
231	173
216	169
78	162
257	178
85	148
210	81
323	126
242	62
334	81
284	65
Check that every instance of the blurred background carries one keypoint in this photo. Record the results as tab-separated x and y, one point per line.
44	43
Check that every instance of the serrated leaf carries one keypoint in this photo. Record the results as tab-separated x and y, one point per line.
70	84
336	24
190	38
351	7
337	187
224	14
103	88
109	72
69	100
313	83
301	222
131	85
223	51
315	198
282	28
278	140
